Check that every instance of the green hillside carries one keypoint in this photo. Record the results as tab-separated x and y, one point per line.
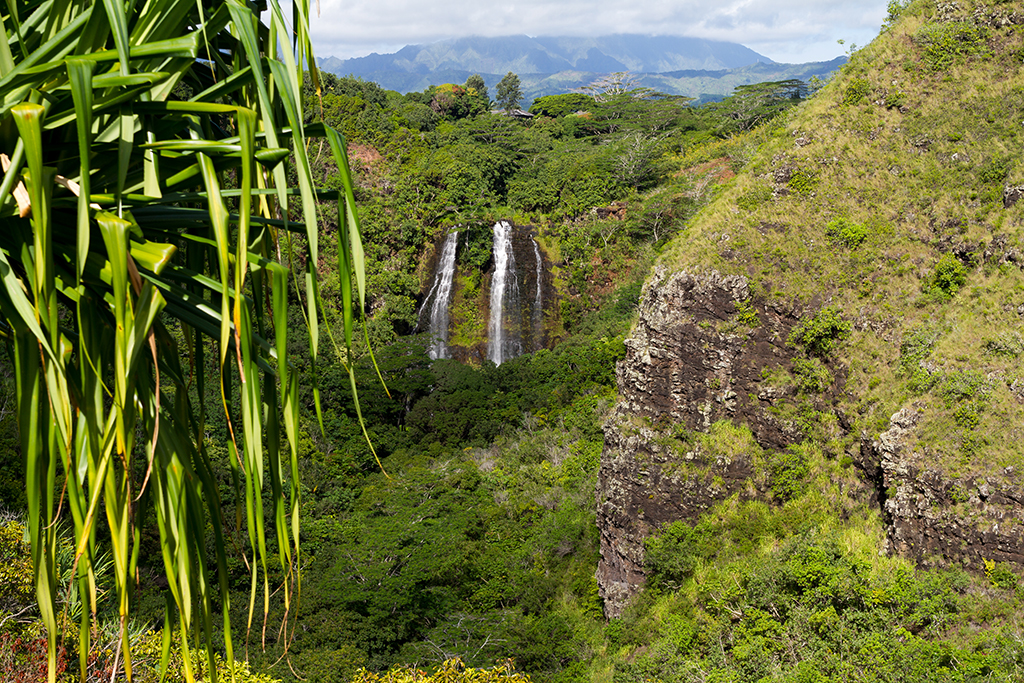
874	233
891	196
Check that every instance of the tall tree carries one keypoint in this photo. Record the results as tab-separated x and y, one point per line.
615	85
508	93
476	83
147	220
750	105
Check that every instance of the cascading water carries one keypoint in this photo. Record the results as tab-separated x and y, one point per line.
441	292
504	333
538	300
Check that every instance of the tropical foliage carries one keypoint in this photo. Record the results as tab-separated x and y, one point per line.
158	218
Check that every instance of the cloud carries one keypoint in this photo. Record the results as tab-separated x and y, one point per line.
784	30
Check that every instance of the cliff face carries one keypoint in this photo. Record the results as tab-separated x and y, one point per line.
690	362
938	519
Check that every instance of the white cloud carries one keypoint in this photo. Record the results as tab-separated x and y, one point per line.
784	30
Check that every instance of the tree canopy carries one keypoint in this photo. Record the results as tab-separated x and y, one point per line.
509	93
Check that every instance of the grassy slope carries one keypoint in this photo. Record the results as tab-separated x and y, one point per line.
801	592
916	181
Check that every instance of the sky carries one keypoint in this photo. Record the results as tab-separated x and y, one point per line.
783	30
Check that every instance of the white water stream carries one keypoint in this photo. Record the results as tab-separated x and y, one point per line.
442	293
538	300
503	335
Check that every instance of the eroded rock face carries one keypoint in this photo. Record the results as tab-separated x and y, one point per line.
688	364
685	366
643	483
939	520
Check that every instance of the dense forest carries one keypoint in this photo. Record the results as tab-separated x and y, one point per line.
448	508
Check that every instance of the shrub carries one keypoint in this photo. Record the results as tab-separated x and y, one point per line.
452	671
856	91
787	469
894	11
966	385
895	99
1009	344
1001	575
994	171
944	42
672	555
812	376
820	334
915	348
949	276
844	232
17	581
746	315
802	182
759	194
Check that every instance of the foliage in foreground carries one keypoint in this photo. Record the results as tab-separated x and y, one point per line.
146	211
450	671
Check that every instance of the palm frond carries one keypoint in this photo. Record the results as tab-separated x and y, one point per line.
142	211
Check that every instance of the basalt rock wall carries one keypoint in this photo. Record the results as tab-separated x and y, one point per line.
691	362
942	520
688	364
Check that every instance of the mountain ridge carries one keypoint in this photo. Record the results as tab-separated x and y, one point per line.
694	67
550	54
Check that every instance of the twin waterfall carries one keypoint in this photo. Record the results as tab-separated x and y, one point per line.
515	322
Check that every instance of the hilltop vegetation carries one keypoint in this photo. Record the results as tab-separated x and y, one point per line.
882	218
891	198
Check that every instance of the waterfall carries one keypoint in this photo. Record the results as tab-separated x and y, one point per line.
441	291
504	330
538	300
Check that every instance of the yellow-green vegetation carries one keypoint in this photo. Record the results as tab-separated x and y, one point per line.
469	310
147	648
15	567
450	671
890	211
797	590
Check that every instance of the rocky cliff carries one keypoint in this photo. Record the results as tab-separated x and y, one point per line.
939	519
701	352
856	291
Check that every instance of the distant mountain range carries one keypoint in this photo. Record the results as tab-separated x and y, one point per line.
701	68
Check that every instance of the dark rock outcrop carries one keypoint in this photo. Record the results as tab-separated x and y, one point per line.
1012	195
688	364
940	520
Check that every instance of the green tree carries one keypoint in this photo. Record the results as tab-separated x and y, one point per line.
509	94
615	85
148	219
477	85
751	105
562	105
